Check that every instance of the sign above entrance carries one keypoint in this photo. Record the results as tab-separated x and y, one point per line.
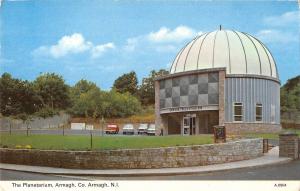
191	108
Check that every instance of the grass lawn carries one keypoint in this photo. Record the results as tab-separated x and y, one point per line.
271	135
82	142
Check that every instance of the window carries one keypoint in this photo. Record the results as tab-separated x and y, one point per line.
238	112
258	112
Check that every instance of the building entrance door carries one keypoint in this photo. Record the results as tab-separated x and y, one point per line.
189	124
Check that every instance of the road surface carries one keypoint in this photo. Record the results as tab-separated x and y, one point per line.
288	171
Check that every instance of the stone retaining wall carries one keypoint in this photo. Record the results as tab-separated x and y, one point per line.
288	145
168	157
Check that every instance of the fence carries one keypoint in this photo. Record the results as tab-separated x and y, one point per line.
36	123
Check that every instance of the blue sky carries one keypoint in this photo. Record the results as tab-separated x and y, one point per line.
100	40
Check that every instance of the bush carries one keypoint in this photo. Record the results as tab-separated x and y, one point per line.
87	104
46	112
28	147
120	105
96	103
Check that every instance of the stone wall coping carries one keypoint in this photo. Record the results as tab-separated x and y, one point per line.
156	148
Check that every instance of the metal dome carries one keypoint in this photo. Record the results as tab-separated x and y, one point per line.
239	52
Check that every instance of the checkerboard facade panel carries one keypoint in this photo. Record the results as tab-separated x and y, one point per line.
184	91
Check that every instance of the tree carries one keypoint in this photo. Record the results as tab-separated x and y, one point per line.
52	90
17	96
96	103
127	83
115	104
290	95
147	89
85	96
82	86
88	104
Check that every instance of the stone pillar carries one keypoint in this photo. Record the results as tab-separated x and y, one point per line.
288	145
164	124
221	97
158	119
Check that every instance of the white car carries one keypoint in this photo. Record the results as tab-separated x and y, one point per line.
128	129
142	128
151	129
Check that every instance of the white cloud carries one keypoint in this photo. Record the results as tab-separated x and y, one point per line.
100	49
68	45
284	19
162	40
72	44
165	34
276	36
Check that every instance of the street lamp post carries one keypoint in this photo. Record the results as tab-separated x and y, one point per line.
27	128
91	139
102	124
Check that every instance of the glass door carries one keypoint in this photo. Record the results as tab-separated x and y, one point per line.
186	125
189	124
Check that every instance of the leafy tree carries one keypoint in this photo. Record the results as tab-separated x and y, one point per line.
96	103
82	86
52	90
119	105
147	89
88	104
127	83
46	112
85	96
290	95
17	96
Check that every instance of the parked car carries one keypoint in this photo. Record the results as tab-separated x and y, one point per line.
151	129
128	129
112	129
142	128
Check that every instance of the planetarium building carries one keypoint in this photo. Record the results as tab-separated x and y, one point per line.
224	77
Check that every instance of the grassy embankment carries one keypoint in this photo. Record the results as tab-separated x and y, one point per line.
82	142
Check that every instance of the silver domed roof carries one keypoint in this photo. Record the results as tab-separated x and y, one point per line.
239	52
